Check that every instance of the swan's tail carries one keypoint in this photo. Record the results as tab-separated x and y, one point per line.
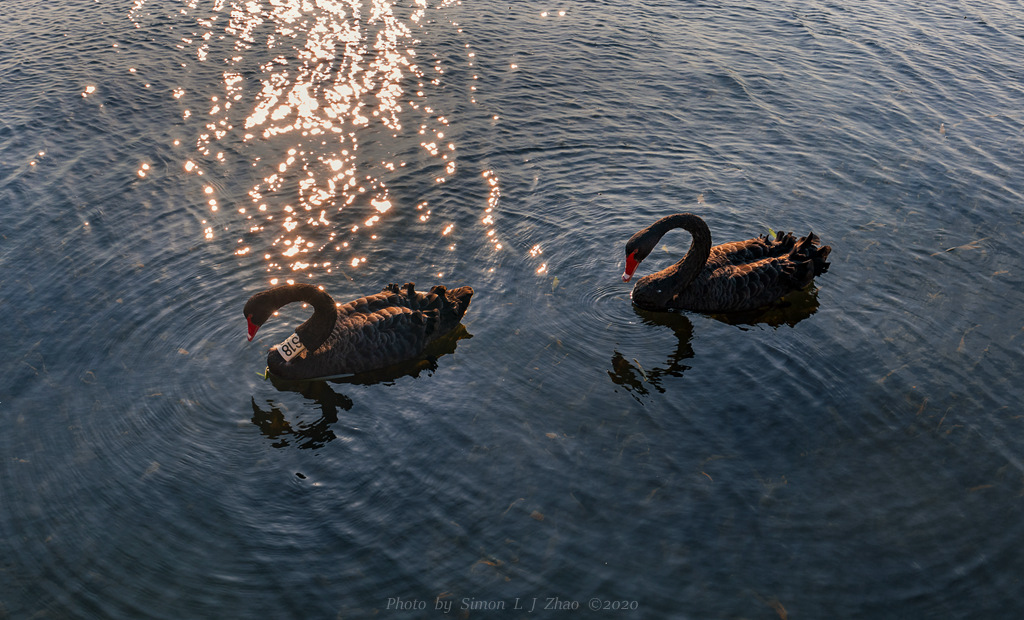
809	250
455	301
807	258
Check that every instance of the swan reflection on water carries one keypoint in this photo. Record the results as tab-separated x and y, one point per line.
273	423
635	378
638	379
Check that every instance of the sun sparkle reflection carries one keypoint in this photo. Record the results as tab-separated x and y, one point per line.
318	98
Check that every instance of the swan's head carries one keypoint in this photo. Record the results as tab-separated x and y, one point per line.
638	248
257	311
254	325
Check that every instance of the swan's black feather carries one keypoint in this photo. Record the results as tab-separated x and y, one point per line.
367	333
732	277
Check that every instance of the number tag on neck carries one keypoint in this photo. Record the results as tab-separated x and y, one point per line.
291	347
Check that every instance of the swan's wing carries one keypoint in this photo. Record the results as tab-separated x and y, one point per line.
746	286
749	274
753	284
751	250
364	341
372	303
394	296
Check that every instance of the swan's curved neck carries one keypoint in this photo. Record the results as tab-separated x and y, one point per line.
657	289
315	330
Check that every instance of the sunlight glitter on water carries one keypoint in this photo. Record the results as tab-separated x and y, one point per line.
321	97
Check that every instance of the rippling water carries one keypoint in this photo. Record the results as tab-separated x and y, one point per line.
856	454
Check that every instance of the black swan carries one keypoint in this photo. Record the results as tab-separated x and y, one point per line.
370	333
732	277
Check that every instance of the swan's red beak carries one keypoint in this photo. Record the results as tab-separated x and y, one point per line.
252	328
631	265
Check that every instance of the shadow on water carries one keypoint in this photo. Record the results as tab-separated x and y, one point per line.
638	380
273	423
789	310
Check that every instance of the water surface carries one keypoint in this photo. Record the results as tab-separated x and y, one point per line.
854	455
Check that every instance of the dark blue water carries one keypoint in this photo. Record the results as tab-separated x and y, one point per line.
854	455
